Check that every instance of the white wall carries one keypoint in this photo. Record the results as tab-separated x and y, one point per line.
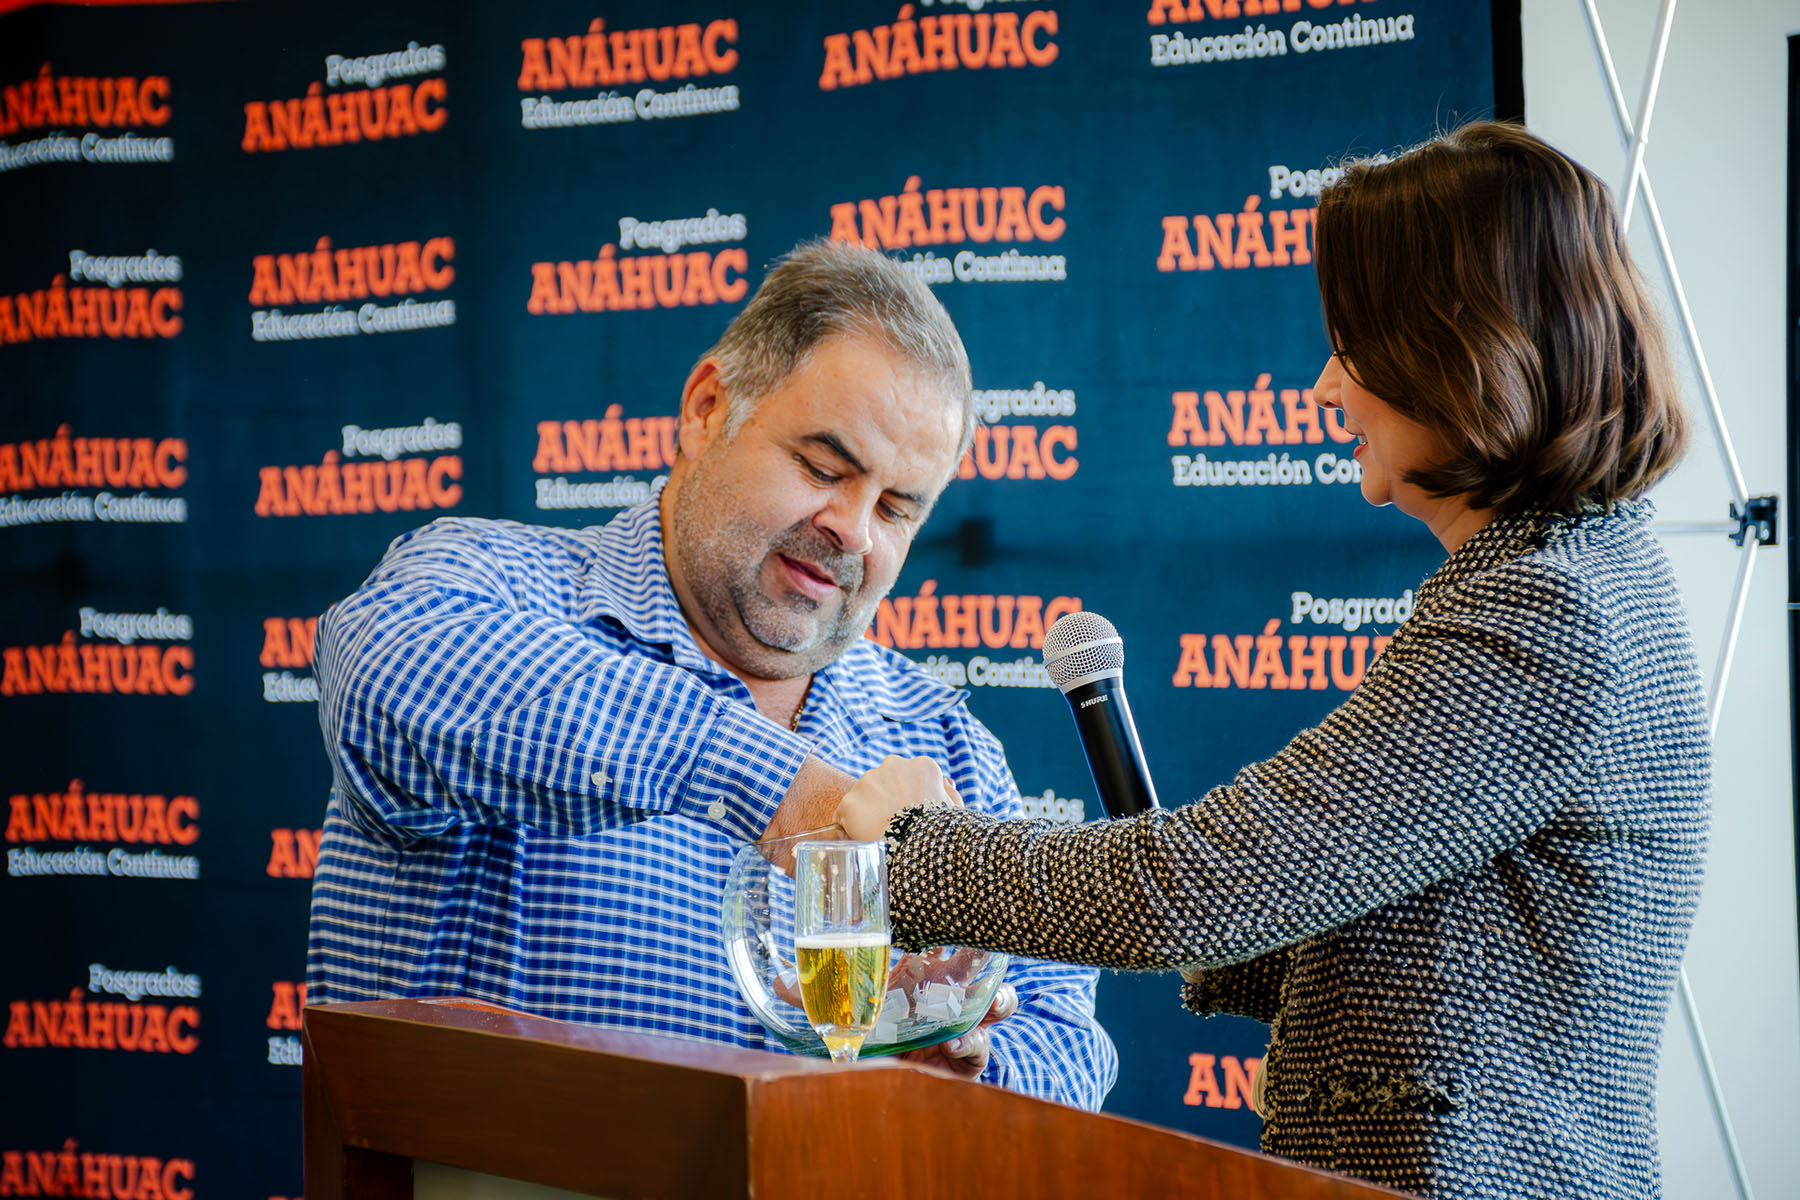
1717	158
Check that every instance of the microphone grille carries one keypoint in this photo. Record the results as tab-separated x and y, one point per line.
1080	644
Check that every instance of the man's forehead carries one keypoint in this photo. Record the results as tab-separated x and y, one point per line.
880	391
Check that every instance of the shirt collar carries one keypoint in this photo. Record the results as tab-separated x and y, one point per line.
628	582
876	685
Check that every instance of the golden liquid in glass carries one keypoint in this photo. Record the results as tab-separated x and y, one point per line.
843	980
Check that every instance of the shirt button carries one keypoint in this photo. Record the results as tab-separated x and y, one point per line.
715	811
600	779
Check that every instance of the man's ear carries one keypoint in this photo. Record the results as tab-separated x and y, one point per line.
704	405
702	411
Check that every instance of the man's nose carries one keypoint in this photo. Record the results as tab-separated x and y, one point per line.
847	518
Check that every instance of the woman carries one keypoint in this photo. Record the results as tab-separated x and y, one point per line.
1461	900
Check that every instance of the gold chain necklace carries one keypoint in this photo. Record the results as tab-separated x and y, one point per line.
794	725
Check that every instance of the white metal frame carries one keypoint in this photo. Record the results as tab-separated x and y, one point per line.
1636	135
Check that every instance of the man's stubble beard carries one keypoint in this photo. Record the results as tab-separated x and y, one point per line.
722	558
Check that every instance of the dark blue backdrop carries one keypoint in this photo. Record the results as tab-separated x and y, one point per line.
178	497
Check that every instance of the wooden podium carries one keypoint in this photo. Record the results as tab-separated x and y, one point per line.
620	1115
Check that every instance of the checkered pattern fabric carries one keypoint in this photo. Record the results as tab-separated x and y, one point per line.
540	783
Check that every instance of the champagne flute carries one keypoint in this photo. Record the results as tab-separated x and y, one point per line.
841	939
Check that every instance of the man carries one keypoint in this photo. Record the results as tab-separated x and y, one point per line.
548	744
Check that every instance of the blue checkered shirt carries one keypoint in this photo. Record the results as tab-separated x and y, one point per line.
540	783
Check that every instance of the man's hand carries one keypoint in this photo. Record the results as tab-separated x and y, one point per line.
966	1056
810	805
897	783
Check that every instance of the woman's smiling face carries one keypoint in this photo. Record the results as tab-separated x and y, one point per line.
1390	446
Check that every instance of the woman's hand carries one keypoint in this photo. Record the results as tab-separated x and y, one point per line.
897	783
966	1057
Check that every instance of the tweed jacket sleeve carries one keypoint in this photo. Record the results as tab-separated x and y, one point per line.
1051	1046
1465	736
1246	989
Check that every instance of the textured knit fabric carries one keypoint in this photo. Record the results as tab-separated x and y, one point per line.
541	782
1462	899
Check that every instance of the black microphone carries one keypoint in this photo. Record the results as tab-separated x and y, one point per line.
1085	657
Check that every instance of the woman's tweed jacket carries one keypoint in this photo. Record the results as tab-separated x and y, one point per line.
1461	900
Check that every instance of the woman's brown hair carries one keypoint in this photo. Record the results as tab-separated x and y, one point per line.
1481	286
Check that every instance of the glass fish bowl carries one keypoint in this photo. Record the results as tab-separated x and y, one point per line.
931	997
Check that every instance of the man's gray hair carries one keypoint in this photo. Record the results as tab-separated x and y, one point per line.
826	289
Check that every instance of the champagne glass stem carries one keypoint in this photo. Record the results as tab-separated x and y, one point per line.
844	1049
